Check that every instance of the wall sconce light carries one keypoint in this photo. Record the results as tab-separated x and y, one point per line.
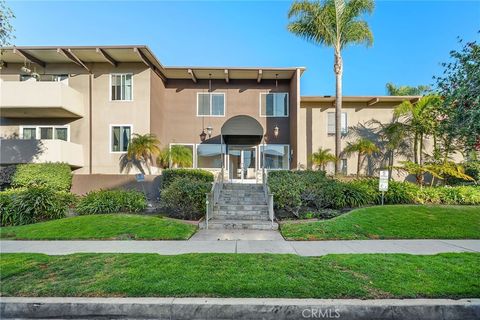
209	131
276	131
203	135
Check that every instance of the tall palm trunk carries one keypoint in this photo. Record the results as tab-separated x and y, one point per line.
390	164
338	69
359	163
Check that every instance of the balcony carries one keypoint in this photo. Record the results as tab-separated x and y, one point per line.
14	151
42	99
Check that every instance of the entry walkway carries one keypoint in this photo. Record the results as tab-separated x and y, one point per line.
303	248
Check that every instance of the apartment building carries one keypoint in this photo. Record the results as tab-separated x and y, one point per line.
81	105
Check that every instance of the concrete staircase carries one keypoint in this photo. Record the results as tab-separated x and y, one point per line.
241	206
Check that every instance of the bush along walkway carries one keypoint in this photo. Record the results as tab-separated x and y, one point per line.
302	248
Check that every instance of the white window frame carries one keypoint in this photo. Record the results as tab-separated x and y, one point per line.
346	123
37	131
110	87
211	105
260	158
110	144
267	116
194	153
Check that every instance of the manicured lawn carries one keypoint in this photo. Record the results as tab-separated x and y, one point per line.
392	222
105	226
454	275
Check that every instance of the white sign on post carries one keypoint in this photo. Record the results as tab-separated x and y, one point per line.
383	182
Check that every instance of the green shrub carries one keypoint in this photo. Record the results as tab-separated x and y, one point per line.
169	175
6	175
111	201
184	198
472	168
33	204
57	176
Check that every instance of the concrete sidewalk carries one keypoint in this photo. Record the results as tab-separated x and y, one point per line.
303	248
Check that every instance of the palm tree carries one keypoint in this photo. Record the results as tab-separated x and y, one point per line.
364	148
394	90
322	157
141	151
394	136
176	156
334	23
420	119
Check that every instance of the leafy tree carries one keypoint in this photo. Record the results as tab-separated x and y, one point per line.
394	90
177	156
6	28
459	87
363	148
333	23
322	157
142	151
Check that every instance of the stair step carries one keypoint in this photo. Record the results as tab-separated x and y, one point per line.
241	207
221	216
241	224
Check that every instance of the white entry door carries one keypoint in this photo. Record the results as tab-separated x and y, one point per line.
242	164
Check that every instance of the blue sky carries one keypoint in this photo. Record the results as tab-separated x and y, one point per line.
411	37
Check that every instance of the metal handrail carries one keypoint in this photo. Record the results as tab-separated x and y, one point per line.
213	196
268	195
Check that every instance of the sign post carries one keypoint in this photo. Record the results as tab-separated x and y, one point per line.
140	177
383	183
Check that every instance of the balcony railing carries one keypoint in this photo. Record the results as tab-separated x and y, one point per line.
32	99
14	151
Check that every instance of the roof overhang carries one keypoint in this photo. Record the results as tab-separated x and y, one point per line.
369	101
43	56
231	73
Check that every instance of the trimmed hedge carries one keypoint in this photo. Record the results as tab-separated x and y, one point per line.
169	175
184	198
57	176
301	192
33	204
111	201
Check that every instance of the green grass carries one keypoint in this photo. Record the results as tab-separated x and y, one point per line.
454	275
392	222
104	226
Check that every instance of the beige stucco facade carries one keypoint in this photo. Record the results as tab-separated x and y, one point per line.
164	101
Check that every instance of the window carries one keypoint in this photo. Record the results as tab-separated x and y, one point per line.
331	123
45	77
29	133
121	87
274	104
120	137
181	155
211	104
276	156
45	132
344	166
209	155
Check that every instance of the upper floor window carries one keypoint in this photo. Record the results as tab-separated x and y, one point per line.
121	87
45	132
45	77
274	104
331	123
211	104
120	137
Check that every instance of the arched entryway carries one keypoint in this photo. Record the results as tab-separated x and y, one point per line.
242	134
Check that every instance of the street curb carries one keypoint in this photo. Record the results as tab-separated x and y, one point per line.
234	308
